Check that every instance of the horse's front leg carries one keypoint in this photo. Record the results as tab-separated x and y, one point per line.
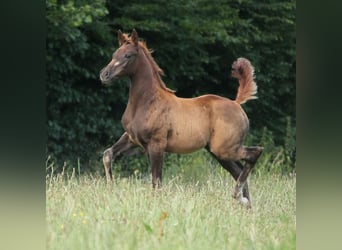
122	146
156	156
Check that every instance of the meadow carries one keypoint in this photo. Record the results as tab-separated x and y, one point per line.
193	210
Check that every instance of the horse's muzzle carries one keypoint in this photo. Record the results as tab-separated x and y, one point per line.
104	76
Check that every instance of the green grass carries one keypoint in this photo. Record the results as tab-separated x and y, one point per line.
83	212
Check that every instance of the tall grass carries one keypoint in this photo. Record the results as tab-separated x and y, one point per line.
193	210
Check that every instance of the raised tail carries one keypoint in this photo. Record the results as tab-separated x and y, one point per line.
243	70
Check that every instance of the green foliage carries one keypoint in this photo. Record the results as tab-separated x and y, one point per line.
77	106
195	43
277	159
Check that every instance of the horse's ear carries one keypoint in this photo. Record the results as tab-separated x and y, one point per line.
135	37
121	37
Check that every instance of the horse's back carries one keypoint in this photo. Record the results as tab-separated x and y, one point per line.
194	122
223	108
207	109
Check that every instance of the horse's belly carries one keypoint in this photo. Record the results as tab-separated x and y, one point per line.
183	148
186	143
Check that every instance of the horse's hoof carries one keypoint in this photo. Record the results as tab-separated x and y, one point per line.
244	200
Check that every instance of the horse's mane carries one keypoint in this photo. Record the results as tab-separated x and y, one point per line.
157	71
148	53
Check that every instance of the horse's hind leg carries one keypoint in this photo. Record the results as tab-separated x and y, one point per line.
235	168
122	146
250	155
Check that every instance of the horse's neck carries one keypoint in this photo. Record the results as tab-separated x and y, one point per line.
144	84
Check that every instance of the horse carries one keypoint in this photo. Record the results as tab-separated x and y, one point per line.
158	121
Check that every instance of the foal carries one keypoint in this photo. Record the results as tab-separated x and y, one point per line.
159	121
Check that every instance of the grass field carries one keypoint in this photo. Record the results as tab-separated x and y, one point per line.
83	212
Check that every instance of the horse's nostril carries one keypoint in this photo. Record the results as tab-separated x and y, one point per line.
104	75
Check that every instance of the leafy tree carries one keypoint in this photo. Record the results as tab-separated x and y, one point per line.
77	106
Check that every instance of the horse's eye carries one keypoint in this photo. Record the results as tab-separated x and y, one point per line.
128	56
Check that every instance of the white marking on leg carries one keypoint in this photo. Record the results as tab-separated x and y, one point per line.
106	158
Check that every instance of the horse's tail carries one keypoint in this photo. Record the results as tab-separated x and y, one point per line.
243	70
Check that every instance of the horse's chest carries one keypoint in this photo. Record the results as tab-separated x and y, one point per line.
139	128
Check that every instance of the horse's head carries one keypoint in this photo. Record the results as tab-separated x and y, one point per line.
123	58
